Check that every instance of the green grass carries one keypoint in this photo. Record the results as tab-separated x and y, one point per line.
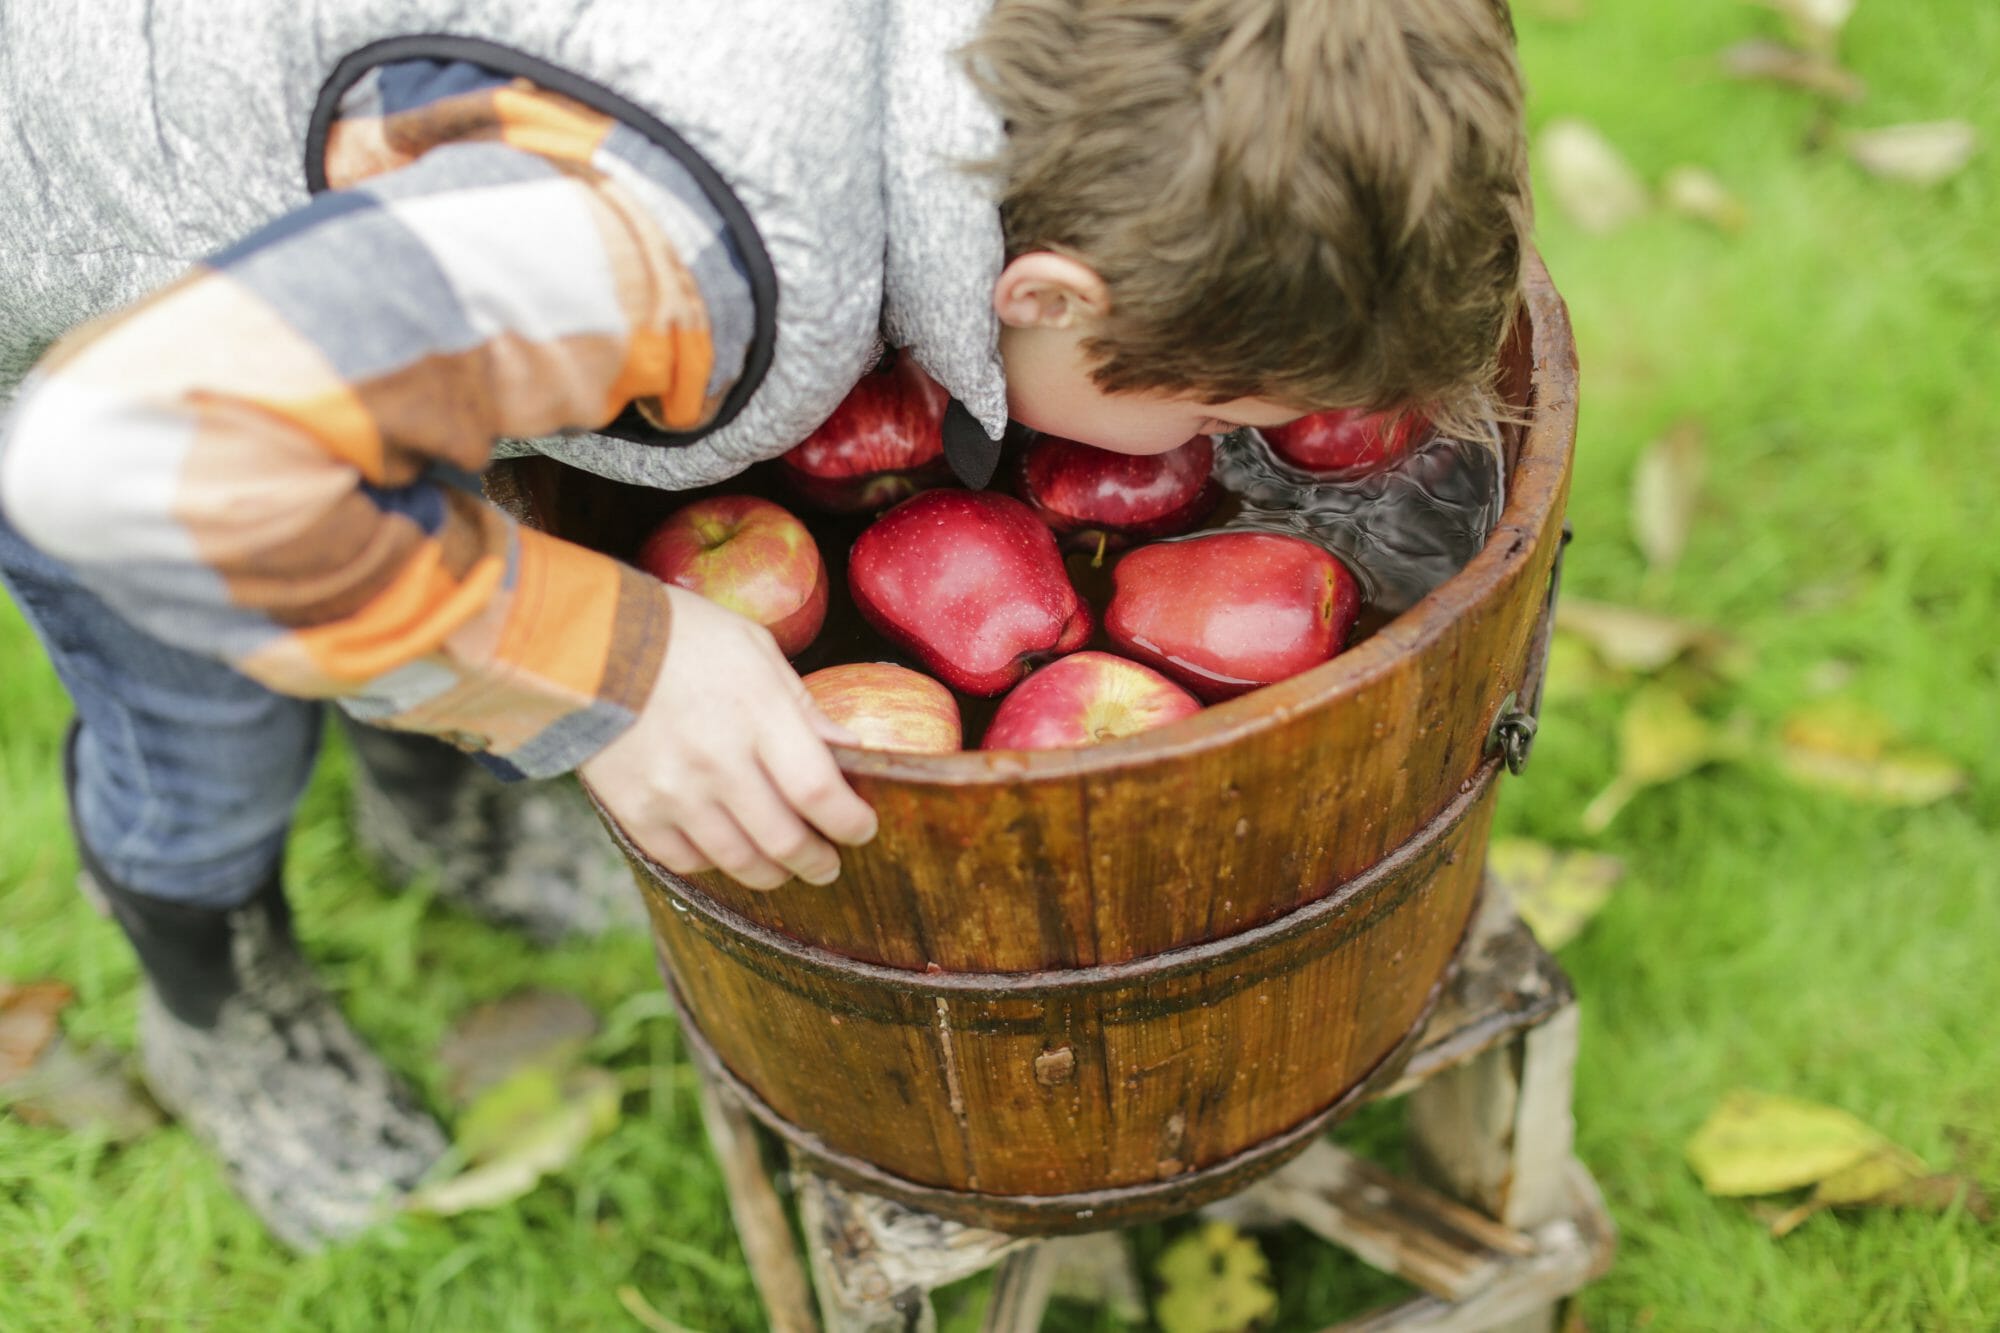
1841	353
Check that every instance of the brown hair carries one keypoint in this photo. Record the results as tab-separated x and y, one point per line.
1319	201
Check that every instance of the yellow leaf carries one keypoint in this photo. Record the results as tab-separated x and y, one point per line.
1660	738
1556	892
1887	1169
1841	746
1216	1281
1757	1143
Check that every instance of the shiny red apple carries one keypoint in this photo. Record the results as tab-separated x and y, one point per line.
884	442
1345	441
1087	495
1083	699
888	707
749	555
1230	611
971	583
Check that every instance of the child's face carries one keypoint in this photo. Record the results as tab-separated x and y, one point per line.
1049	388
1049	305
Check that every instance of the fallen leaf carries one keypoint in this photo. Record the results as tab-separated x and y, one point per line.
1925	154
1938	1194
1665	487
1774	62
1888	1168
586	1110
83	1088
642	1310
1216	1280
491	1041
1815	23
1588	179
1758	1143
1555	892
1660	738
1696	192
30	1017
1634	640
1842	746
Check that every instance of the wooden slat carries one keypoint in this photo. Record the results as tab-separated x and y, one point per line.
1392	1223
759	1215
1569	1252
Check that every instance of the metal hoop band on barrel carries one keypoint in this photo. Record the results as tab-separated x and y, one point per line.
1231	960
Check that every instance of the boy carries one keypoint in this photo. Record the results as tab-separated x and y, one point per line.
683	227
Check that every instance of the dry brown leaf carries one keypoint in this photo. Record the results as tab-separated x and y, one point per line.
30	1017
1925	154
84	1088
1696	192
1775	62
1590	182
1665	488
531	1026
1815	24
1635	640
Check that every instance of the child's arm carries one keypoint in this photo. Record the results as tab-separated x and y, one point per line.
270	462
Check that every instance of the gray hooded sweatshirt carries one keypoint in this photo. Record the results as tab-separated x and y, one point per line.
834	136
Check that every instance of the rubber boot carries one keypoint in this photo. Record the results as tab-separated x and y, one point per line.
241	1043
530	856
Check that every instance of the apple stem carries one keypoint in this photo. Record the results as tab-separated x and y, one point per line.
1097	561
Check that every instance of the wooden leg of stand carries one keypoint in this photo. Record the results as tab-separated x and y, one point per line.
1498	1133
1021	1291
761	1226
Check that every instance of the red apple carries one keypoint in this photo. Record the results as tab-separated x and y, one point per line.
1083	699
1345	441
1230	611
746	554
884	442
888	706
971	583
1088	495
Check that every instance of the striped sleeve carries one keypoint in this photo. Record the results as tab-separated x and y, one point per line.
275	460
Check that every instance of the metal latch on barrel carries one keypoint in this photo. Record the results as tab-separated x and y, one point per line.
1512	735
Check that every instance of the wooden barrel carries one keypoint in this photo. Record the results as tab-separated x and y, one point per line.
1070	988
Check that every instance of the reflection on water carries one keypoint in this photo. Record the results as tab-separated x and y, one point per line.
1402	530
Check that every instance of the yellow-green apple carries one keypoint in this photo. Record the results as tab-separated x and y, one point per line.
1226	612
1345	441
884	442
971	583
1088	495
1083	699
888	707
749	555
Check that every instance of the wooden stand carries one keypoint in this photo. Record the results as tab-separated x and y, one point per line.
1504	1223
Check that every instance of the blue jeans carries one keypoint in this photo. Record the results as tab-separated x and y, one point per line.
187	773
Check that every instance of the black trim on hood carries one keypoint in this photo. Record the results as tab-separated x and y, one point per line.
743	232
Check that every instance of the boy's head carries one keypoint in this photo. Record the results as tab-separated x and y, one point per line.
1233	212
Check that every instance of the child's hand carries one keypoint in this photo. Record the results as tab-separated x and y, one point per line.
727	765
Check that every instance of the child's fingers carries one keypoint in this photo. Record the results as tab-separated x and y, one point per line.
718	837
778	832
675	852
807	777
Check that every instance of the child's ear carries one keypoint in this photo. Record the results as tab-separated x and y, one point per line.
1045	290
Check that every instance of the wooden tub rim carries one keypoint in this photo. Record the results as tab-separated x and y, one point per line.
1534	491
751	939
